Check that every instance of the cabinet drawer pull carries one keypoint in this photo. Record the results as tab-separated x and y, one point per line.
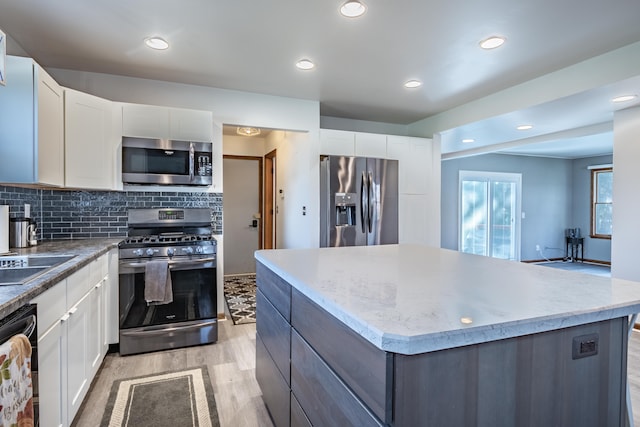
65	317
73	310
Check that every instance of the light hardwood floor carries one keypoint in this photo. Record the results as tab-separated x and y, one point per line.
231	364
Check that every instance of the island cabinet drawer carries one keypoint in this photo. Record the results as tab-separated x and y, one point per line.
275	332
298	417
325	399
277	291
275	391
366	369
78	284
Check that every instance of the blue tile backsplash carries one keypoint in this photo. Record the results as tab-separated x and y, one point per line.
63	214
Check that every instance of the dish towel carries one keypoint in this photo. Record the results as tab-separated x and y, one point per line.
157	283
16	390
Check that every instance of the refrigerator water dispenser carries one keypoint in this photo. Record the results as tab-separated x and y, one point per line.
345	209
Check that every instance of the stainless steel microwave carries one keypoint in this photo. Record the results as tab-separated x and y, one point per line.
166	162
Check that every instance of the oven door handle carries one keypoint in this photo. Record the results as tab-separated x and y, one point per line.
172	264
164	329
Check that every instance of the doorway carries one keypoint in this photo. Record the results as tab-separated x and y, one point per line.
489	214
270	201
242	212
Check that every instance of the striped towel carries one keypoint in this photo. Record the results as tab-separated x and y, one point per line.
16	391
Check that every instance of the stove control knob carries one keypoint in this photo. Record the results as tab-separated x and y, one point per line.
149	252
171	252
187	250
199	250
137	252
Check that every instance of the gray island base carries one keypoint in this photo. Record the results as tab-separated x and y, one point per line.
404	335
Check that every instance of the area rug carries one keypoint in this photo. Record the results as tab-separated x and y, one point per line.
240	294
182	398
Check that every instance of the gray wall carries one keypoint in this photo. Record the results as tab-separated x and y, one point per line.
546	199
594	249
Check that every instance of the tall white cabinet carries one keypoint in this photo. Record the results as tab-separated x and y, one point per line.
419	177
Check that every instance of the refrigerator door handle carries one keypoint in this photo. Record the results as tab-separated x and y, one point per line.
370	202
364	203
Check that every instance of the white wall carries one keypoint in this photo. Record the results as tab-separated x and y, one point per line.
626	200
236	145
297	170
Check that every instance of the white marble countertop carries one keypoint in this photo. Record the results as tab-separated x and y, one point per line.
413	299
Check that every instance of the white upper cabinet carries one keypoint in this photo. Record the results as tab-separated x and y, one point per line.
190	125
90	143
416	161
31	125
371	145
151	121
337	142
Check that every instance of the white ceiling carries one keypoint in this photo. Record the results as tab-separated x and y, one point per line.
361	63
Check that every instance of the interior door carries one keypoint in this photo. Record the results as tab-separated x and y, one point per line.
242	217
490	212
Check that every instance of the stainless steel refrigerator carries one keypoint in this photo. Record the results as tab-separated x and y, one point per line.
358	201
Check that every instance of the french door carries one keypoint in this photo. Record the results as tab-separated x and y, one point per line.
489	214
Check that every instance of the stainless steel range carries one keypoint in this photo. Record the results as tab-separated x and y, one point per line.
180	241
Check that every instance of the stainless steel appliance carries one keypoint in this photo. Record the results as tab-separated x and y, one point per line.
166	161
182	238
358	201
24	321
22	232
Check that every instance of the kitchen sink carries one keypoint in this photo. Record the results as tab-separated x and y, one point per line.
18	270
19	275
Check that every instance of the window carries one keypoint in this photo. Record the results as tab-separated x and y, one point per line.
601	202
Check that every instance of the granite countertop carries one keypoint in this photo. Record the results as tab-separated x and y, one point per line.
412	299
14	297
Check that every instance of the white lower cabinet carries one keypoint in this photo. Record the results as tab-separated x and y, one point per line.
52	375
72	347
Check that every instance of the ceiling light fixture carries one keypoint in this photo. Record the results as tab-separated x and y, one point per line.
157	43
305	64
468	140
624	98
492	42
410	84
353	9
524	127
247	131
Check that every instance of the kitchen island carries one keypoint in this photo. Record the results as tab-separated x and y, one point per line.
407	335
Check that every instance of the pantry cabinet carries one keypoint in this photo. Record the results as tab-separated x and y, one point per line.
31	125
152	121
71	340
91	143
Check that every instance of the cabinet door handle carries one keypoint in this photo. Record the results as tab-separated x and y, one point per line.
99	285
65	318
73	310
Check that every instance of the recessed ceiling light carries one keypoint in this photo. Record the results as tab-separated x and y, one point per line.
524	127
492	42
624	98
413	84
353	9
247	131
466	320
157	43
468	140
305	64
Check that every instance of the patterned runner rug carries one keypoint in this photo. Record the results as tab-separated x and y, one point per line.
240	294
182	398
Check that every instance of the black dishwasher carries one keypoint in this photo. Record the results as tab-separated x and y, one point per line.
23	321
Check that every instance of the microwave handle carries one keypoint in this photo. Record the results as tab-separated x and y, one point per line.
192	159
